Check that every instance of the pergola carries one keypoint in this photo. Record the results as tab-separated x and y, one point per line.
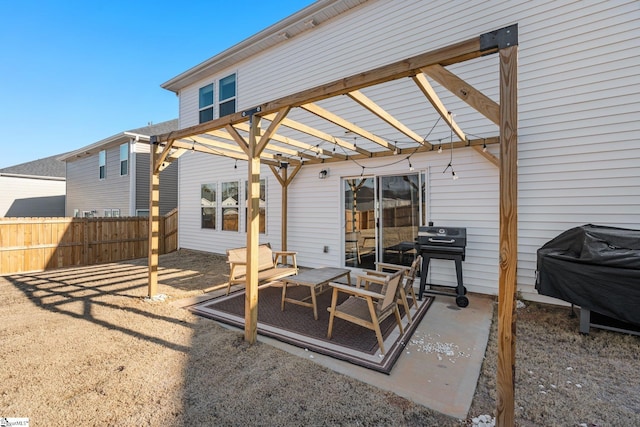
240	136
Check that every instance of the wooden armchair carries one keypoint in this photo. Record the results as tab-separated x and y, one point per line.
360	307
406	287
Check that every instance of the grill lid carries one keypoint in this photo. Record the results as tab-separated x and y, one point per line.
442	236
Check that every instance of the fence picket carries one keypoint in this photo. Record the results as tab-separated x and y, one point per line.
36	244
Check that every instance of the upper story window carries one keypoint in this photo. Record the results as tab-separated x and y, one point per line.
102	164
227	95
205	103
124	159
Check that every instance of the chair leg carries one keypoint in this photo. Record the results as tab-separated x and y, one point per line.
375	324
332	311
397	313
405	303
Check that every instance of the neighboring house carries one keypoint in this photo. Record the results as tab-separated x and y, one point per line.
111	177
578	127
33	189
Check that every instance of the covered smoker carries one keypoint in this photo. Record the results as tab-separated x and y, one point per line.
594	267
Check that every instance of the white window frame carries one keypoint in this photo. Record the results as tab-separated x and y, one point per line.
214	206
124	150
225	208
102	164
228	99
142	212
204	107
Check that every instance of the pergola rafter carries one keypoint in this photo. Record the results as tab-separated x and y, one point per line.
367	103
432	64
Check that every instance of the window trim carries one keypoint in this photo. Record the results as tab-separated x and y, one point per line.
202	108
214	206
102	164
224	208
126	160
233	98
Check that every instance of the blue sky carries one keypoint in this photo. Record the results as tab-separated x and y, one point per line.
75	72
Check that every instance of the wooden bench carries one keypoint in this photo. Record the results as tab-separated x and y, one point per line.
268	268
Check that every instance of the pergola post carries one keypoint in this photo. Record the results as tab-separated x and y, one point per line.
154	217
253	233
508	260
284	204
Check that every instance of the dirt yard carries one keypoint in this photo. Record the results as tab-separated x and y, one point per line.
83	346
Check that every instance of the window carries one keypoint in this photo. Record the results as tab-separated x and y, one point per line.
227	95
142	212
102	163
124	159
208	205
76	213
262	204
206	103
229	203
107	213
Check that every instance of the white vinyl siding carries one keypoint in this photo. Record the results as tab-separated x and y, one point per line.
578	108
196	169
31	197
86	193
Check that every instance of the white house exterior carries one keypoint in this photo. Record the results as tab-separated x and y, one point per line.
33	189
578	126
110	177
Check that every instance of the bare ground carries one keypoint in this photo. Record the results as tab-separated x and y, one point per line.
83	346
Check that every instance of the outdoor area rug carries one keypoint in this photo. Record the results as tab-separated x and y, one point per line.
296	325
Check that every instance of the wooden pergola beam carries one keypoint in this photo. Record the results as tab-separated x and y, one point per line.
459	52
367	103
463	90
352	127
434	99
316	133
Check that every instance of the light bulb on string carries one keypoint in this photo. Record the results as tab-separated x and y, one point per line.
410	165
484	146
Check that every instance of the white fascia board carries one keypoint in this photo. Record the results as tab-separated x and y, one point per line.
270	36
95	147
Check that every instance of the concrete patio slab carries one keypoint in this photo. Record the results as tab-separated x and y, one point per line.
440	366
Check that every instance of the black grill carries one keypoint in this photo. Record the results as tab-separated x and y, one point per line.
442	243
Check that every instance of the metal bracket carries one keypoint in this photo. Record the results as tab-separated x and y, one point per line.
502	38
251	112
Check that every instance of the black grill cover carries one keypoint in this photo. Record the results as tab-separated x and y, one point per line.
594	267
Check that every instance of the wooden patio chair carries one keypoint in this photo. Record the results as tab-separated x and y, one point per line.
406	287
360	307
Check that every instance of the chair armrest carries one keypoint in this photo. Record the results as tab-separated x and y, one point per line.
285	253
355	291
237	262
394	267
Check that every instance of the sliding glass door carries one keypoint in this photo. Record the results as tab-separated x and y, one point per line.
382	215
399	217
360	222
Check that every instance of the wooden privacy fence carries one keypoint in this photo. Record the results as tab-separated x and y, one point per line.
36	244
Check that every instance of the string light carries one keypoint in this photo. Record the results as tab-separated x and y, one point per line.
410	165
236	165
